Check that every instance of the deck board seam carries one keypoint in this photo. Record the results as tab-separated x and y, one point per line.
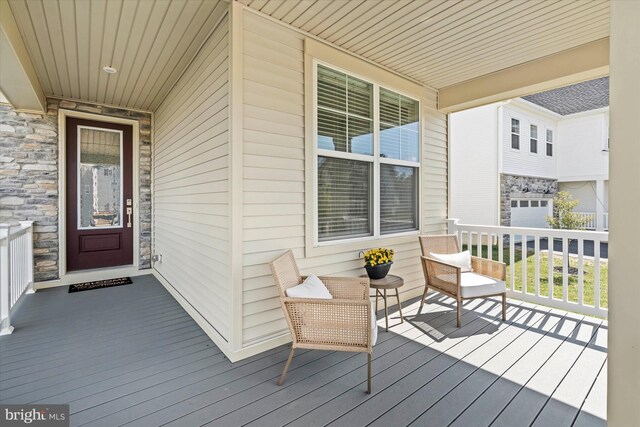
510	324
359	366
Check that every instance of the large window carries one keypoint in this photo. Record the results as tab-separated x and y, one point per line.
515	134
368	158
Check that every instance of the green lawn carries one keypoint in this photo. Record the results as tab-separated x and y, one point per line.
557	276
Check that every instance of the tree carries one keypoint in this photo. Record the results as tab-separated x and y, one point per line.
564	218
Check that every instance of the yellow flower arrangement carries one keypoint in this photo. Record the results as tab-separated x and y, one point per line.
378	256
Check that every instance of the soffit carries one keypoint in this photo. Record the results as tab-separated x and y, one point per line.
444	42
150	43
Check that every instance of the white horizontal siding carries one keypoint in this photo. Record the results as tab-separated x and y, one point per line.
581	152
523	162
474	170
191	183
274	178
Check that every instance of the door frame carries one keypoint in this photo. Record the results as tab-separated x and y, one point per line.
101	273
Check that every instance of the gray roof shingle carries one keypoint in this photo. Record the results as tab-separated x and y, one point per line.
576	98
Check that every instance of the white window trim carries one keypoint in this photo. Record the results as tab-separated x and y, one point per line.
375	159
537	139
517	150
546	142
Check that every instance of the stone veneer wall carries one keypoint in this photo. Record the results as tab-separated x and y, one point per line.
523	187
29	177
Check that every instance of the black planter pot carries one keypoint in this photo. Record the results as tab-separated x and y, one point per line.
379	271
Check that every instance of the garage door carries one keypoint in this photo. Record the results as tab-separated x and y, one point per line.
530	213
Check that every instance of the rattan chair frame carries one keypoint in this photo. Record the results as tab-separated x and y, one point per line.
446	278
339	324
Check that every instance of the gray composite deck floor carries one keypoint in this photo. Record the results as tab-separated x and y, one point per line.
130	355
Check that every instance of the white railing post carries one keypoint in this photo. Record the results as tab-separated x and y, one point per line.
452	226
599	223
29	267
5	285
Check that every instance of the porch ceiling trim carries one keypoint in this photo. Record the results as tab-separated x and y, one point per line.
18	80
581	63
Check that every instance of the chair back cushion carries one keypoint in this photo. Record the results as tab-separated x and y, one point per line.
460	259
312	287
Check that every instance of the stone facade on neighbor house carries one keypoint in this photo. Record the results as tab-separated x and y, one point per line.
523	187
29	177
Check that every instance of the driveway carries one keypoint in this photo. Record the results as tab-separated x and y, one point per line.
573	247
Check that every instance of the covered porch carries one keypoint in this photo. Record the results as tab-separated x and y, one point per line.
130	355
219	102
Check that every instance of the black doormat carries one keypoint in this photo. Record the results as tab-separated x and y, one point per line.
87	286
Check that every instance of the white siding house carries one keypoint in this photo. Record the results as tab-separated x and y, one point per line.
474	174
278	166
583	163
521	152
260	187
530	158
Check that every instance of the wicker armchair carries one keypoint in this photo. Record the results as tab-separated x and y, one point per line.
487	279
339	324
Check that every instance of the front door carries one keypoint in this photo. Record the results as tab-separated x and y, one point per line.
99	194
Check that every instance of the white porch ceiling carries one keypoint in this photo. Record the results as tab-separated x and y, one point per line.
150	43
437	42
444	42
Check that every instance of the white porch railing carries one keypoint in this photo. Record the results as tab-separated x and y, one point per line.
542	276
16	268
592	220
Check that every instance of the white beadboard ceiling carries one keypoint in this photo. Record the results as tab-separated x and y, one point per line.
444	42
150	43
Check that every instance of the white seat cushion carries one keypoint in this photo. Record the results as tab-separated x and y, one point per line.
312	287
477	285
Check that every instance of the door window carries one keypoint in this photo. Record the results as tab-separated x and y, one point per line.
100	175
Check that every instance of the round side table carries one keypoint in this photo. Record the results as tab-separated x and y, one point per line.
381	286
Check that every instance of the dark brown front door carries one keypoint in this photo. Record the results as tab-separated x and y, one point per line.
99	193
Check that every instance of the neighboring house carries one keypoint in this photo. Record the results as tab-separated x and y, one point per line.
512	157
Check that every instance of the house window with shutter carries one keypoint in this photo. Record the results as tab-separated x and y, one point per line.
367	158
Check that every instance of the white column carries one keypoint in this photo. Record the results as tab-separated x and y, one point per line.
599	205
5	286
624	214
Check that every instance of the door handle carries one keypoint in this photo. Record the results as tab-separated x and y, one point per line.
129	212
